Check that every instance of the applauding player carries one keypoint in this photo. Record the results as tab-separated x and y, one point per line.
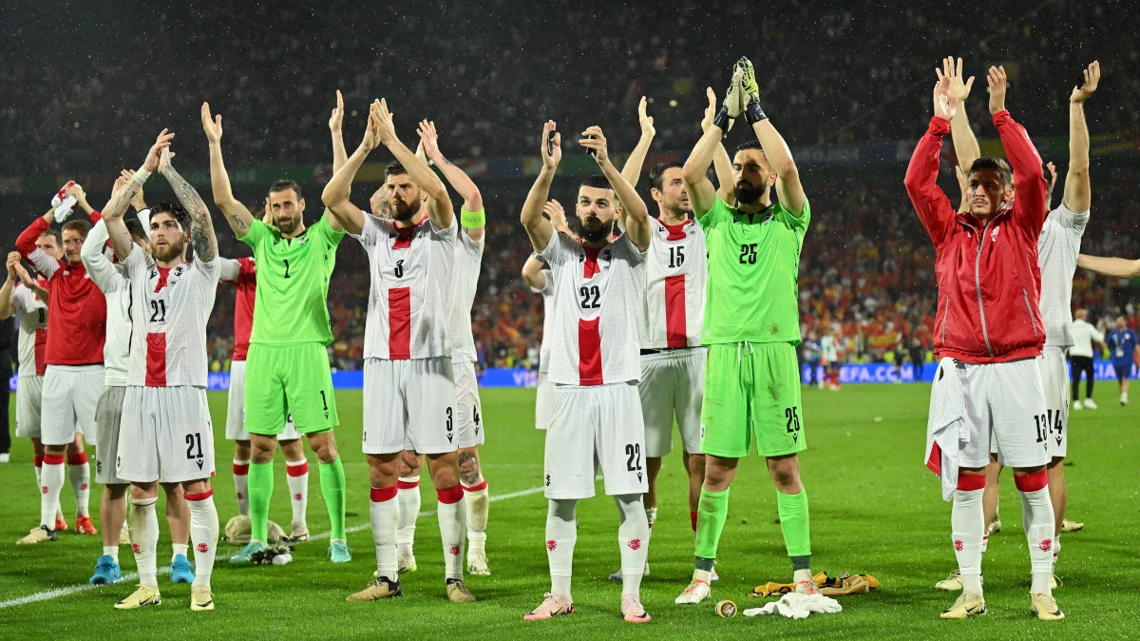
598	288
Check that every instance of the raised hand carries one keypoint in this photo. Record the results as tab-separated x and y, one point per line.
137	201
12	263
154	156
644	120
164	159
429	140
748	79
553	210
958	89
1053	176
945	107
337	116
593	140
551	149
211	125
998	83
710	111
1092	79
372	131
735	99
386	127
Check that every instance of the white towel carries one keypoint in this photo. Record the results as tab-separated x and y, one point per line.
797	606
63	203
946	431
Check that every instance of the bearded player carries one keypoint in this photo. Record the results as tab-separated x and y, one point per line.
287	366
166	433
73	378
751	328
989	377
410	394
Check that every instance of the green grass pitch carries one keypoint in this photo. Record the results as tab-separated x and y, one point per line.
875	509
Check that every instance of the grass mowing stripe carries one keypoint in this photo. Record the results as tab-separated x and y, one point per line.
83	587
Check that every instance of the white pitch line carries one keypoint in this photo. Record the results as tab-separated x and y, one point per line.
83	587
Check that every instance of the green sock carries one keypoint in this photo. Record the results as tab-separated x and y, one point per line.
795	523
712	511
260	490
332	487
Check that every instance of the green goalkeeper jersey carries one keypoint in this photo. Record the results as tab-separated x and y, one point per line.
754	260
291	305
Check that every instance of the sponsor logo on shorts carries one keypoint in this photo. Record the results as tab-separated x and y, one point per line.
547	483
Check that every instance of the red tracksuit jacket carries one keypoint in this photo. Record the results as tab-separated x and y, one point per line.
989	281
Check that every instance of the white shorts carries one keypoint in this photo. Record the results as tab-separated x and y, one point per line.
591	428
1055	376
28	398
235	410
544	401
468	408
166	435
409	405
1004	402
108	422
672	384
70	396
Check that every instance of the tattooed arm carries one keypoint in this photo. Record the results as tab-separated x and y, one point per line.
126	188
236	213
202	229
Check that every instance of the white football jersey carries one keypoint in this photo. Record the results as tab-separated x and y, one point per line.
170	310
1057	250
468	262
676	278
544	348
33	330
410	294
598	304
111	280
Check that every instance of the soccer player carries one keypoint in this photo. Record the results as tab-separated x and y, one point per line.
751	328
73	378
990	349
166	434
114	284
27	295
1057	249
409	397
1085	334
829	346
596	418
1125	350
813	354
287	366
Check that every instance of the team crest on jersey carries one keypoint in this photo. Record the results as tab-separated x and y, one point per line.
994	234
608	256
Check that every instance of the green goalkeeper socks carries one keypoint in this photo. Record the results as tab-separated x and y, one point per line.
332	487
260	491
795	524
712	511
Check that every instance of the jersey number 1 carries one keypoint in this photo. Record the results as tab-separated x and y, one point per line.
286	260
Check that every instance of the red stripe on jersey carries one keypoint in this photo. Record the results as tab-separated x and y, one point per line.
404	236
155	360
590	267
400	323
676	327
163	273
935	460
589	352
41	351
676	232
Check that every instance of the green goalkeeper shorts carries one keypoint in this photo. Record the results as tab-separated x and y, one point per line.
752	394
288	379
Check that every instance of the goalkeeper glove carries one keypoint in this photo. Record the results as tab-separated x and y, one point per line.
735	100
752	111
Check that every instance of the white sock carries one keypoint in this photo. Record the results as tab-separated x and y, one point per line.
143	520
561	535
633	539
967	523
178	548
384	511
241	486
409	499
204	534
51	479
298	478
112	551
1056	549
452	514
1037	512
478	504
79	473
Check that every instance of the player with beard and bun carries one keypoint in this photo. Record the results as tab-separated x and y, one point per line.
1058	248
598	285
672	358
73	378
28	295
989	335
287	366
752	328
409	397
166	432
116	287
